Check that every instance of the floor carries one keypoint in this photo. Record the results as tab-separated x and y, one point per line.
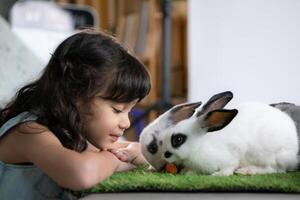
193	196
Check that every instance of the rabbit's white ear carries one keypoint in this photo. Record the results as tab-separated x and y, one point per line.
217	119
183	111
218	101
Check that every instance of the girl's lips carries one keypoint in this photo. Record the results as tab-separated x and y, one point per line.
114	137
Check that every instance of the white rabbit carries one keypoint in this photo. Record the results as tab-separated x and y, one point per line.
252	138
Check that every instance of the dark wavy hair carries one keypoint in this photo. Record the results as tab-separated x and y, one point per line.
84	65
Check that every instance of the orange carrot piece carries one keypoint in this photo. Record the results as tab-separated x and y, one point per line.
171	168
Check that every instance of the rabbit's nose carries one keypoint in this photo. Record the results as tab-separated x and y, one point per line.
168	154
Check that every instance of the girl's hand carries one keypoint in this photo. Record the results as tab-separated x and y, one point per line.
130	154
124	166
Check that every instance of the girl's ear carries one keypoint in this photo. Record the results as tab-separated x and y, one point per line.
183	111
217	101
217	119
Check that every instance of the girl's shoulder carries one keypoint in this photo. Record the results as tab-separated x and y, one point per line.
22	140
31	127
34	135
34	131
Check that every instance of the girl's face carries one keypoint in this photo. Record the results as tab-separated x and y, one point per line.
107	121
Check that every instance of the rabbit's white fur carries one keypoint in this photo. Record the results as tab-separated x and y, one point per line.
259	139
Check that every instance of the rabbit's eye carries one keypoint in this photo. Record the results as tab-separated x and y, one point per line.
152	147
178	139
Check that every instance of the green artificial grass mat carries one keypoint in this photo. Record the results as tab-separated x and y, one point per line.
141	180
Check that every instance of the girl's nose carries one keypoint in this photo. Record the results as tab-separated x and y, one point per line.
125	123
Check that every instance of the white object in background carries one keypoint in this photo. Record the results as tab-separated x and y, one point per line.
18	64
250	47
41	26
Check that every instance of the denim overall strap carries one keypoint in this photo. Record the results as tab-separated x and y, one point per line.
22	117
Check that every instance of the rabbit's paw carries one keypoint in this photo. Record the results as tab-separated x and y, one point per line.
244	171
250	170
151	169
223	172
185	170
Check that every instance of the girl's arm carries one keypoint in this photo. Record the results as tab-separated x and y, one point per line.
66	167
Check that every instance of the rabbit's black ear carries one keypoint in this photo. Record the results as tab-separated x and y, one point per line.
183	111
217	101
217	119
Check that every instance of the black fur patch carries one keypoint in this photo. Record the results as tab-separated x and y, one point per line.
152	147
178	139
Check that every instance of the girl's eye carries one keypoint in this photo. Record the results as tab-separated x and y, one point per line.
117	110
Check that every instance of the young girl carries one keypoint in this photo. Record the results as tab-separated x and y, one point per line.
60	132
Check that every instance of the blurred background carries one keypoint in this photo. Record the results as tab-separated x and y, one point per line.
30	30
192	48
